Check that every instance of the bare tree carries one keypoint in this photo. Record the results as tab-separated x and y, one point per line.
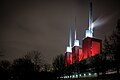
113	45
5	64
4	69
58	65
47	67
35	57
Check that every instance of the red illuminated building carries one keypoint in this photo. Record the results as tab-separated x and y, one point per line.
91	47
80	54
68	58
75	54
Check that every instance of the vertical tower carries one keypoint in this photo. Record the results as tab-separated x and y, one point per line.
90	16
90	46
80	53
75	50
89	32
76	42
68	56
68	53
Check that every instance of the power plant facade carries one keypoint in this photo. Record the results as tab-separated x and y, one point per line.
90	46
68	56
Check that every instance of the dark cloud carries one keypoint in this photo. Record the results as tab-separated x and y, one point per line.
43	25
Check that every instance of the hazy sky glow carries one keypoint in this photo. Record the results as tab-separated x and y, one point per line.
43	25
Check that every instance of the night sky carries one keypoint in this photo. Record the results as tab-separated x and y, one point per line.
44	25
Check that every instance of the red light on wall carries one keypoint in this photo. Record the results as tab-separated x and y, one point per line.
75	54
80	55
68	58
91	47
86	46
95	48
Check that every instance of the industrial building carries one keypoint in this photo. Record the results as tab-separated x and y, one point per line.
91	46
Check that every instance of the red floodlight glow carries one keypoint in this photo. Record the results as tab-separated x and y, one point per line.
95	48
90	47
75	54
80	54
68	58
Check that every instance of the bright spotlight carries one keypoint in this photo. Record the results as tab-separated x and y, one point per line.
76	43
67	76
79	74
95	73
92	26
76	76
84	74
89	33
69	49
73	76
89	74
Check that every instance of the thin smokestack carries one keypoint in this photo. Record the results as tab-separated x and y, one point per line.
90	15
70	38
75	27
89	32
75	34
69	47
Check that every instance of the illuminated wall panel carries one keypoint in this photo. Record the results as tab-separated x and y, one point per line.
80	55
68	58
96	48
75	54
91	47
86	46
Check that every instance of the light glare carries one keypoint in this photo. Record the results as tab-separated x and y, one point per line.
69	49
76	43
